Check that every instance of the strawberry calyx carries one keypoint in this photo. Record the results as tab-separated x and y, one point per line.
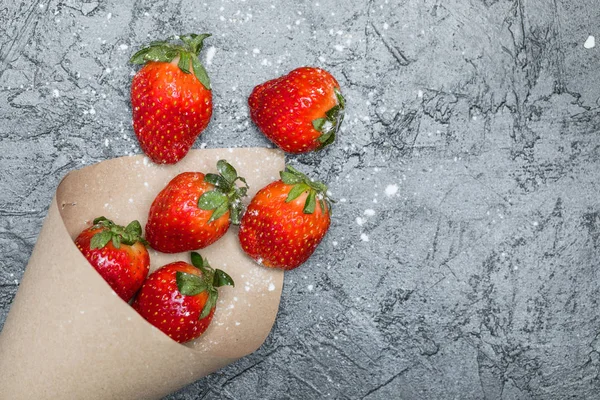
187	48
116	234
211	279
317	191
330	125
227	194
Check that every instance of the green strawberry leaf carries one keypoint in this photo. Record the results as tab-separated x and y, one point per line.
227	171
322	204
161	53
310	204
200	73
197	260
212	200
216	180
100	239
222	278
116	241
290	178
235	212
318	123
184	61
341	100
296	191
210	303
190	284
140	56
102	220
195	42
219	211
333	112
134	228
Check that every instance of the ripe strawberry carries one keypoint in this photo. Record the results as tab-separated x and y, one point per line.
194	210
171	105
299	112
118	254
180	299
286	221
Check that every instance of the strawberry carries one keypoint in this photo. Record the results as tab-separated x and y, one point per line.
299	112
180	299
170	97
286	221
118	254
194	210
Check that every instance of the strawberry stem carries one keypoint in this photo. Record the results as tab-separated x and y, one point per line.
330	125
317	191
186	47
227	194
192	285
116	234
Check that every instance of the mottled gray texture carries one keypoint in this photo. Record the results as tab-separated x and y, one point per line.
479	278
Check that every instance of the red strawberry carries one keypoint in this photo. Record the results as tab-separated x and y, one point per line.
299	112
118	254
180	299
286	221
171	105
194	210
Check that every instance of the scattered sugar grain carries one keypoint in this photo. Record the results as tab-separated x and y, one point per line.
391	190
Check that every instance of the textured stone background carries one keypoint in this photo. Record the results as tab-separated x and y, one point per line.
463	258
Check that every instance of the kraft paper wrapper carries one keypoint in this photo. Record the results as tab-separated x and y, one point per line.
69	336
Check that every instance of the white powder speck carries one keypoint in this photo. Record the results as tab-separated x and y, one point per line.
310	288
321	58
369	212
256	51
247	288
130	200
108	16
590	43
420	93
123	46
210	54
106	205
385	25
364	237
237	323
391	190
55	93
342	200
271	287
339	47
92	111
360	221
335	243
106	142
146	184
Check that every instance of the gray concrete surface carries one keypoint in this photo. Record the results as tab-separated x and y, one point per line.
462	262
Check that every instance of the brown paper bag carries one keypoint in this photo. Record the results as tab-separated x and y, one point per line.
69	336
